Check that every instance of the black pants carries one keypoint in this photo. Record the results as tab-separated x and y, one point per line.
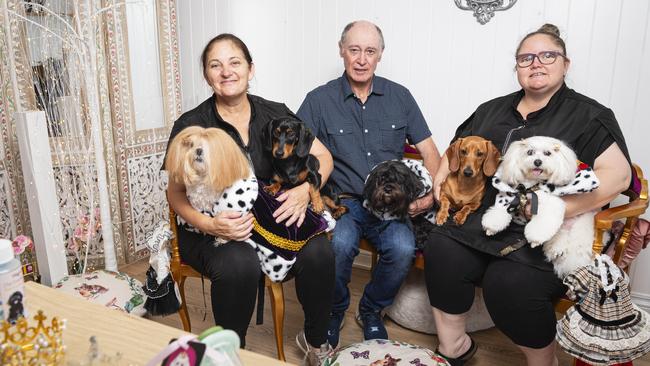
520	298
234	271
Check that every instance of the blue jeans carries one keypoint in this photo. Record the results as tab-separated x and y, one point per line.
395	243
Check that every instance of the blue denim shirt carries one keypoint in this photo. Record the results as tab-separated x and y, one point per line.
362	135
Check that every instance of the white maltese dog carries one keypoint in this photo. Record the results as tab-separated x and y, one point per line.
541	169
215	171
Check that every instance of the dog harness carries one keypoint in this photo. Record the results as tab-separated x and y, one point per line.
423	175
515	198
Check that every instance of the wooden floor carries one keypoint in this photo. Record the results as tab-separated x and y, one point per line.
494	348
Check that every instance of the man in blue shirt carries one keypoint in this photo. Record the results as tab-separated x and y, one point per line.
364	119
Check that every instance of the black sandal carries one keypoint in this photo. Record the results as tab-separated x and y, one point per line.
462	359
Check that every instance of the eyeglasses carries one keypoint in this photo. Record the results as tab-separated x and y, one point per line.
544	57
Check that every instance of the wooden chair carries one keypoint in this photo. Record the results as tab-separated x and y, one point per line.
180	271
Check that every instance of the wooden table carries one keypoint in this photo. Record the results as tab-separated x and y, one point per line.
137	339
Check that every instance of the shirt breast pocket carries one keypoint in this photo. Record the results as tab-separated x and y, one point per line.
341	139
393	135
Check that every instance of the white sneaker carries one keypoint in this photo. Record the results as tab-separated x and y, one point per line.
313	356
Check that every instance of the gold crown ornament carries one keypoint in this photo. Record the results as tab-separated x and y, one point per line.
24	345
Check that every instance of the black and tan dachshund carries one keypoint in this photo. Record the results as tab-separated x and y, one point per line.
289	141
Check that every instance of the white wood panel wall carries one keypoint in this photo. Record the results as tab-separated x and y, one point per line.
449	61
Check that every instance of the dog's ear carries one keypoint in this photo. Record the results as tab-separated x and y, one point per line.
510	168
370	184
175	159
491	160
305	140
565	164
267	135
413	186
227	162
453	155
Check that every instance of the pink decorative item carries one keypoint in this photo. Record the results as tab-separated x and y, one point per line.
87	229
20	243
638	240
23	247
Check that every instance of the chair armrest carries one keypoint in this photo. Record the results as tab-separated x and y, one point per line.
605	218
603	221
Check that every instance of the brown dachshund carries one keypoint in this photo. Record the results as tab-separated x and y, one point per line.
471	160
288	141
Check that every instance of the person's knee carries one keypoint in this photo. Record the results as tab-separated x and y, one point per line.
398	242
237	263
502	282
517	305
345	240
318	253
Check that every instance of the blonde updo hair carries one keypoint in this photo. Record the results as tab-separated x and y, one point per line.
550	30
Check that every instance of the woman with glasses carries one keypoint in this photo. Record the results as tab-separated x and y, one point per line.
519	285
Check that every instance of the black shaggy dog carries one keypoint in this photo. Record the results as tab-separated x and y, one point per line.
289	141
390	188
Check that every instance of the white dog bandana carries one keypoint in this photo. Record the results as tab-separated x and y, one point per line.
510	197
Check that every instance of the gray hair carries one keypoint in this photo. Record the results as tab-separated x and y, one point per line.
351	24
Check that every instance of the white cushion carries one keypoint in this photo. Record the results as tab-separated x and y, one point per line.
114	290
374	351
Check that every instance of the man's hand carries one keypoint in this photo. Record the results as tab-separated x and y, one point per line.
421	205
294	205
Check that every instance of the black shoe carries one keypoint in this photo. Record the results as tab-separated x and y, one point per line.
334	328
373	325
460	360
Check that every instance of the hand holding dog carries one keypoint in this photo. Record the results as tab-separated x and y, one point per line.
294	205
229	225
441	175
421	205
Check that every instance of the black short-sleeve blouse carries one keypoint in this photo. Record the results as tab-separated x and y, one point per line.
584	124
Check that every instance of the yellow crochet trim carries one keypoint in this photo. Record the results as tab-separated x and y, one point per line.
278	241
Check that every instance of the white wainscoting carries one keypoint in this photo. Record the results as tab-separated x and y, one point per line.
449	61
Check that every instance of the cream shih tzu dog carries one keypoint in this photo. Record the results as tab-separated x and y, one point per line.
217	175
542	169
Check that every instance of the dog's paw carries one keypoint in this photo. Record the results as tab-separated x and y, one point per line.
495	220
339	211
441	217
489	232
459	218
538	234
272	189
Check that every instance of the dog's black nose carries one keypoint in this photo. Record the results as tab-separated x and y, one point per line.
537	162
468	172
278	153
199	151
